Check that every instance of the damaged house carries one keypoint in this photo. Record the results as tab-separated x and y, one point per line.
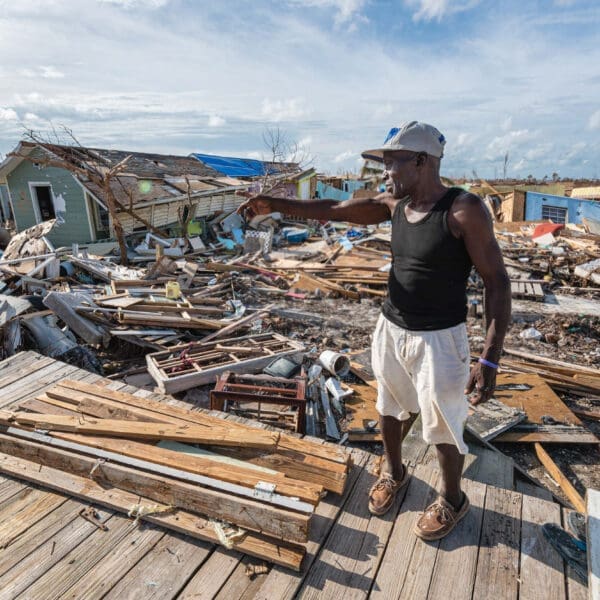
48	181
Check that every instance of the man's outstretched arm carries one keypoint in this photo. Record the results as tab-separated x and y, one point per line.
362	211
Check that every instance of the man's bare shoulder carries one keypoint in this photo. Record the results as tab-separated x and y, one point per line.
469	211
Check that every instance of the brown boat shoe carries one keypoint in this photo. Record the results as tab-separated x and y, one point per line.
440	518
383	492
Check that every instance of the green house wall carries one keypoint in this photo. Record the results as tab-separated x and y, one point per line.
66	191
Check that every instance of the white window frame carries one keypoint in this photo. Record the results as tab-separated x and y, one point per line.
34	198
562	209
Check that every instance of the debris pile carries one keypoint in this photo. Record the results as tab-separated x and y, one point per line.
273	322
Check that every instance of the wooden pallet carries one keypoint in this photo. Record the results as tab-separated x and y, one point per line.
527	291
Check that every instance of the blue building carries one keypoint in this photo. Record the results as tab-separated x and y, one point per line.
559	209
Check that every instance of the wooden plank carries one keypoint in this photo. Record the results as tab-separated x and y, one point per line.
537	402
37	505
83	424
528	488
163	572
211	576
423	558
178	520
490	467
105	574
393	570
178	458
8	488
281	583
322	464
497	574
38	533
593	542
34	381
288	442
541	567
350	556
245	512
46	555
567	487
456	560
239	585
74	566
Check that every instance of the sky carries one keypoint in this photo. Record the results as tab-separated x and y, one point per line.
181	76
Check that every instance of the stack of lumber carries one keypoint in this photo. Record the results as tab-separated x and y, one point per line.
249	488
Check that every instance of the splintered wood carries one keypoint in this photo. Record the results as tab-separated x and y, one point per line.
79	438
200	363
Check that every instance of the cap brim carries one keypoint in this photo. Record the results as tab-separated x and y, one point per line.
376	154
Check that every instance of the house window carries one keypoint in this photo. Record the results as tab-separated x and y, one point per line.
43	202
557	214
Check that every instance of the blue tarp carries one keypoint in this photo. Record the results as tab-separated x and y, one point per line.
236	167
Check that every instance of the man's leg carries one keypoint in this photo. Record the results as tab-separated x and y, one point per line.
394	475
393	433
451	464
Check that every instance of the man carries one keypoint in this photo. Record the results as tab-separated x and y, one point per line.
420	350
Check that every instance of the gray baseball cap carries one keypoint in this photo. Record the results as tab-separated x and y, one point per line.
412	135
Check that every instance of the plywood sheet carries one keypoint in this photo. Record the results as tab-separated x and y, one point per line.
537	402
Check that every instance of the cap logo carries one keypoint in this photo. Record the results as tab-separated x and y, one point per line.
391	134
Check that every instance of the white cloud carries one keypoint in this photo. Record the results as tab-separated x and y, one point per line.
216	121
429	10
151	4
8	114
50	72
509	142
284	110
44	71
344	156
594	122
259	63
347	11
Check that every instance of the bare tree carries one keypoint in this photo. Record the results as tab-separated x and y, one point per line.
93	168
284	157
505	164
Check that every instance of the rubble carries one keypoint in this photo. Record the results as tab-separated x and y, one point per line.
206	318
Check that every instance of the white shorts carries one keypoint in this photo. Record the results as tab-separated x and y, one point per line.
426	372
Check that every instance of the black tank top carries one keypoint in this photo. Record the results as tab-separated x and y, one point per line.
428	279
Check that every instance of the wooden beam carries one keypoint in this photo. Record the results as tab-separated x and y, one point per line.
287	555
201	465
335	454
565	485
301	459
250	514
214	436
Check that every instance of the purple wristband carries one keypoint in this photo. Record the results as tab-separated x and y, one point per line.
487	363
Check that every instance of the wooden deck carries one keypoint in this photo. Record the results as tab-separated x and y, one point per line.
497	551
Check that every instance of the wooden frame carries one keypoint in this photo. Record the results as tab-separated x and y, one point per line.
259	390
196	364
